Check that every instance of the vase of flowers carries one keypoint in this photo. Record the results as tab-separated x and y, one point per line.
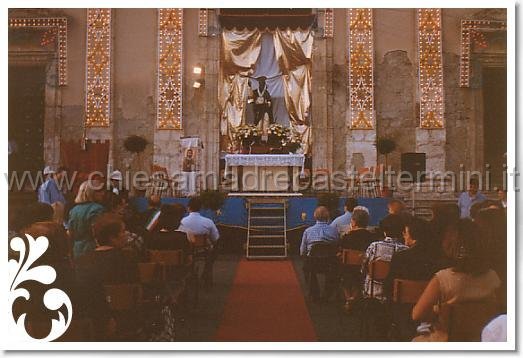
292	143
277	135
246	136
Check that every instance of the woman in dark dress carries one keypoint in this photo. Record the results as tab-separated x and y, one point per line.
358	239
106	265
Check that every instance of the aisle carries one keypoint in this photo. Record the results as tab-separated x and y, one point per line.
265	304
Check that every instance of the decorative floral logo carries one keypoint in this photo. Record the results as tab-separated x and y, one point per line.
54	299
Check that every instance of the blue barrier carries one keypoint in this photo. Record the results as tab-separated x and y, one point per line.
299	213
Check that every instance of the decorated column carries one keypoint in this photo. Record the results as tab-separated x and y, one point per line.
361	139
169	92
431	134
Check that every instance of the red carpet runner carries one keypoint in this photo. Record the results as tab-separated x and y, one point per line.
265	304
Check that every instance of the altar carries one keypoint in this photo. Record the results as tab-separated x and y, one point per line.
264	172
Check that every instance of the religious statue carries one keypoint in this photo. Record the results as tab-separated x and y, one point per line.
262	102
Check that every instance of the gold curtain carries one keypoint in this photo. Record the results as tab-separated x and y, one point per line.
293	52
240	50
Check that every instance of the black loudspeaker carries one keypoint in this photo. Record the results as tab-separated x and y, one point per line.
413	163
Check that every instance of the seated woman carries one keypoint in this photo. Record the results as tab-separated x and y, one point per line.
166	235
418	263
88	206
470	279
358	238
105	265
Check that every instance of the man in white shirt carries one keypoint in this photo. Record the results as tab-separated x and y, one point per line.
342	222
196	224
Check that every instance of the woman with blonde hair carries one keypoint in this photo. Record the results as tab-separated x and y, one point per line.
88	206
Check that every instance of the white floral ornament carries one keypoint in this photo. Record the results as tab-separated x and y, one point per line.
21	271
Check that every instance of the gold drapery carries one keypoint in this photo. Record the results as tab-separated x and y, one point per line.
293	52
240	50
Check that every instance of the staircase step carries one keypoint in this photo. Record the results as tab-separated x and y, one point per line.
267	226
266	246
266	257
269	236
266	237
267	217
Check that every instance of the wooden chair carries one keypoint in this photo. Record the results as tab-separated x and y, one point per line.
150	273
378	271
407	291
465	321
166	257
351	261
125	301
322	259
175	271
123	297
351	257
173	261
405	294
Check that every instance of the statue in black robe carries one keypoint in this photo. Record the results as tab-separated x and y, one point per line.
262	102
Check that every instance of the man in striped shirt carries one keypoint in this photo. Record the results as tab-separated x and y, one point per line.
392	227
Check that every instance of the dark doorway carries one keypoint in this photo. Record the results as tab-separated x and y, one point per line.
495	122
26	118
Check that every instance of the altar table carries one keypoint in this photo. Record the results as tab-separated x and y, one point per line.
264	172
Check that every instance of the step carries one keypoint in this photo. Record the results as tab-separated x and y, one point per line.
274	207
266	257
267	236
267	217
266	247
267	227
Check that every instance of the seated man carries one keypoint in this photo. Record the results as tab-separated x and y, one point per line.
342	222
392	227
319	232
196	224
316	235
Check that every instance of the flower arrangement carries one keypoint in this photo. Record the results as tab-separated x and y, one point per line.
291	143
247	135
277	134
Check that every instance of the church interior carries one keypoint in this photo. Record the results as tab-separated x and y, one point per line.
276	125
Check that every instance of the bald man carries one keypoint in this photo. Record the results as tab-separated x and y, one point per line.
320	232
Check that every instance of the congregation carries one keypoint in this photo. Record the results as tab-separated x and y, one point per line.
108	257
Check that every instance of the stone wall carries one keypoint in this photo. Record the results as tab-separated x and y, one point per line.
395	100
396	93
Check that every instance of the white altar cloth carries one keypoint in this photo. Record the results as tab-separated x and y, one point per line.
265	160
260	172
